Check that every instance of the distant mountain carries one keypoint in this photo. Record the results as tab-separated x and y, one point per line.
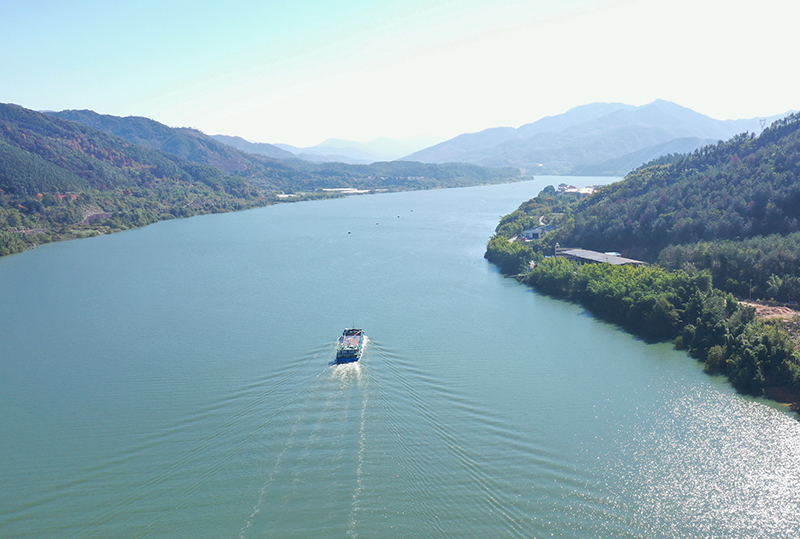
236	155
287	175
327	154
608	137
348	151
463	146
257	148
620	166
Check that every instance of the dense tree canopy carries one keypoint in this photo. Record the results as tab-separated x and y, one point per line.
746	187
62	180
658	305
732	208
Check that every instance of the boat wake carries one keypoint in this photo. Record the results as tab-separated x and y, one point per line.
359	483
319	439
387	419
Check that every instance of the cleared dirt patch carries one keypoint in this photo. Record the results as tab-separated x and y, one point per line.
768	311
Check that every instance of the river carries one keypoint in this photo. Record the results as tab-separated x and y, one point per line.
175	381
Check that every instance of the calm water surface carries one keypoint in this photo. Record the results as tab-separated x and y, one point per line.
175	381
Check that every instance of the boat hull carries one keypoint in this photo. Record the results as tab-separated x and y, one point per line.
349	346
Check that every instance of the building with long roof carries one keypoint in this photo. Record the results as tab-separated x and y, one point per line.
586	256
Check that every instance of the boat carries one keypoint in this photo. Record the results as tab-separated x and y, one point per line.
349	346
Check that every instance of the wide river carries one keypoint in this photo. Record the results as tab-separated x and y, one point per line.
176	382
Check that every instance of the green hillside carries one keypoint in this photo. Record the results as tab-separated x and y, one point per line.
732	208
61	179
746	187
191	145
287	175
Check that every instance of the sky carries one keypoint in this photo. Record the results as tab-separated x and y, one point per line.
303	71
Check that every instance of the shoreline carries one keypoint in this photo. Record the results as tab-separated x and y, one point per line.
737	355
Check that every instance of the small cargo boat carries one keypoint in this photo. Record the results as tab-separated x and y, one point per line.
349	346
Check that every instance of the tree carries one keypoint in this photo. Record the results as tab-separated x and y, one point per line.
774	284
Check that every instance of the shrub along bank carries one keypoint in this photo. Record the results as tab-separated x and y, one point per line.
658	305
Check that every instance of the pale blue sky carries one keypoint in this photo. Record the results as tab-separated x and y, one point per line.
302	71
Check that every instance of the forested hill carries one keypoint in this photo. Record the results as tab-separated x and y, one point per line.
183	141
745	187
291	174
189	144
61	179
732	208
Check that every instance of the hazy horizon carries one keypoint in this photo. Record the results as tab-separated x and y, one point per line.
306	72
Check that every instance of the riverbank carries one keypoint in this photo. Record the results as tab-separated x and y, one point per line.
757	354
128	211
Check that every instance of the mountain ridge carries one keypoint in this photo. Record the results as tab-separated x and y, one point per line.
258	148
587	137
281	175
188	143
63	179
349	151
